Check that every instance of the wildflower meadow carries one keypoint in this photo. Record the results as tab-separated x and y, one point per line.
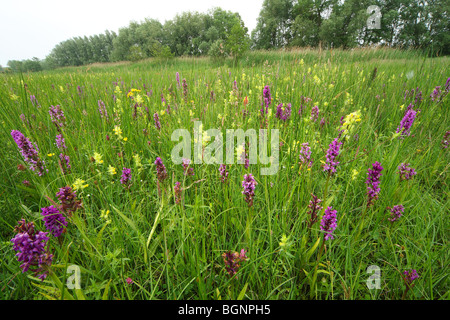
94	206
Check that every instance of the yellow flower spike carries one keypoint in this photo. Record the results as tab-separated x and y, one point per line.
239	151
111	170
104	214
139	99
79	184
98	158
283	240
118	131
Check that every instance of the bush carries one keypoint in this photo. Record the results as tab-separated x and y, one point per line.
217	50
161	52
136	53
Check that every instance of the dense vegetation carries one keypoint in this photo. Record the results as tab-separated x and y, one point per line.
89	146
406	24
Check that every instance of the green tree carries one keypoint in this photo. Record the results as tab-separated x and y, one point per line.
309	16
15	65
345	25
439	26
217	50
32	65
135	53
184	33
273	29
238	41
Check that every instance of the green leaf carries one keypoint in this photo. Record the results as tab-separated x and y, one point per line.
106	291
311	251
243	291
126	219
79	294
100	236
219	297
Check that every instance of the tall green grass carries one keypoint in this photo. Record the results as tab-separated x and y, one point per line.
174	251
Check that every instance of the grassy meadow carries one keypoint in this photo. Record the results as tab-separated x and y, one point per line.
134	235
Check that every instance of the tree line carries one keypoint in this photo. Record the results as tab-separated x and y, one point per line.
219	33
347	23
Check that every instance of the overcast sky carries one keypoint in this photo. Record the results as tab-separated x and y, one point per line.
31	28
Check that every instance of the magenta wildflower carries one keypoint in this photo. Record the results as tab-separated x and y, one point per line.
283	114
314	208
185	90
328	223
223	172
245	157
129	280
34	101
279	113
29	152
407	122
406	172
396	212
373	181
57	116
322	122
436	94
178	79
303	101
160	170
446	139
177	190
68	199
417	94
305	155
54	220
65	163
410	276
60	142
314	113
232	261
188	171
267	99
102	109
80	91
332	153
31	249
287	111
249	184
157	122
24	119
126	177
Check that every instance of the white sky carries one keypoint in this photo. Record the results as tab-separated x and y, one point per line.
31	28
